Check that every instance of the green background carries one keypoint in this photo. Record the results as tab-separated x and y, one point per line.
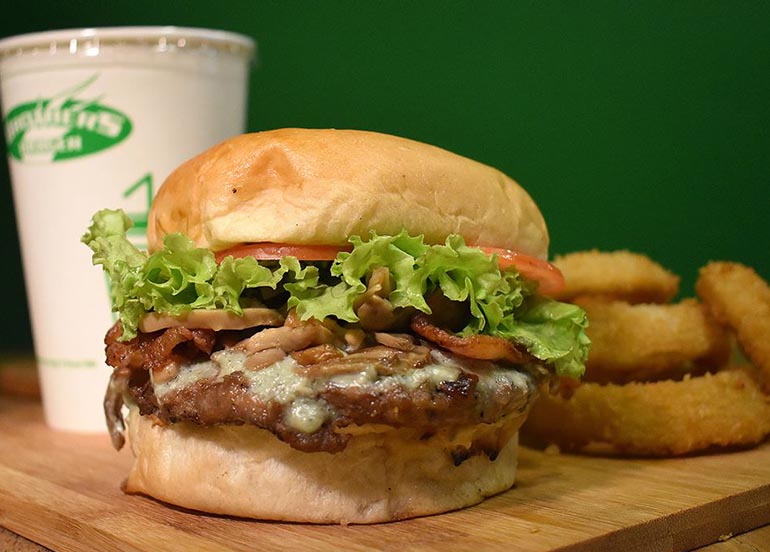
643	126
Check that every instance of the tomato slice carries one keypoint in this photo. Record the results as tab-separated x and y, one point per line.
547	275
271	251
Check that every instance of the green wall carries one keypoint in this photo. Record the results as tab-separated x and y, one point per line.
640	125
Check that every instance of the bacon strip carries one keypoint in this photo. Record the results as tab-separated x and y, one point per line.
152	351
482	347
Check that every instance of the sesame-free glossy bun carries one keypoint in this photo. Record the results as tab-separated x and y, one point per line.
382	475
301	186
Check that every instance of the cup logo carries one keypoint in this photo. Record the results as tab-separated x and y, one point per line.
64	126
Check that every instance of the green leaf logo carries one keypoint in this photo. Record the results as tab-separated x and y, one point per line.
64	127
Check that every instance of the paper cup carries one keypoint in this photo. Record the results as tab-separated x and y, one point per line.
98	118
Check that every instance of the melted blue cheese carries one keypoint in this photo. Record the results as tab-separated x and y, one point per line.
279	382
433	374
306	412
444	368
188	375
307	415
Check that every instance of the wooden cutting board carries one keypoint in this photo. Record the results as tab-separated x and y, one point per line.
63	491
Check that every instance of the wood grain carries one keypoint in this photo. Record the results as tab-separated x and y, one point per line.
18	375
753	541
63	491
11	542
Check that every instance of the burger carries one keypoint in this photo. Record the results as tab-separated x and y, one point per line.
330	326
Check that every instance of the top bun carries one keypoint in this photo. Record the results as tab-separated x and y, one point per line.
301	186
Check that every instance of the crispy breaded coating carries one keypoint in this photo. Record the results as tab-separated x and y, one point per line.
650	341
646	391
738	297
624	275
665	418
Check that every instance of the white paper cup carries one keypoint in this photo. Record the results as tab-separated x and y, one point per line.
98	118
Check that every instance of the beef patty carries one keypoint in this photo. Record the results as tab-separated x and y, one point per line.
312	385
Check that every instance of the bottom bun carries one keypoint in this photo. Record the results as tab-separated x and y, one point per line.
383	474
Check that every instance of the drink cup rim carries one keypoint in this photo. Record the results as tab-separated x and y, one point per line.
159	38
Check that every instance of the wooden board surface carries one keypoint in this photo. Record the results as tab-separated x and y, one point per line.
63	491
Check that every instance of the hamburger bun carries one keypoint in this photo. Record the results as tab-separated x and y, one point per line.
382	475
386	382
320	187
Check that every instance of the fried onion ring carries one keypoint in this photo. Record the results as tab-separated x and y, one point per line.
666	418
738	297
622	275
651	342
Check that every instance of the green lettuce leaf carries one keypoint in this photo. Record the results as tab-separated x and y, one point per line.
181	277
551	331
178	278
501	303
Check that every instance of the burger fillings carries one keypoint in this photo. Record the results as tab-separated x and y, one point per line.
313	339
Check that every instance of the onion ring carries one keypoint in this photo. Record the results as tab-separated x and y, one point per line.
651	342
623	275
738	297
666	418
